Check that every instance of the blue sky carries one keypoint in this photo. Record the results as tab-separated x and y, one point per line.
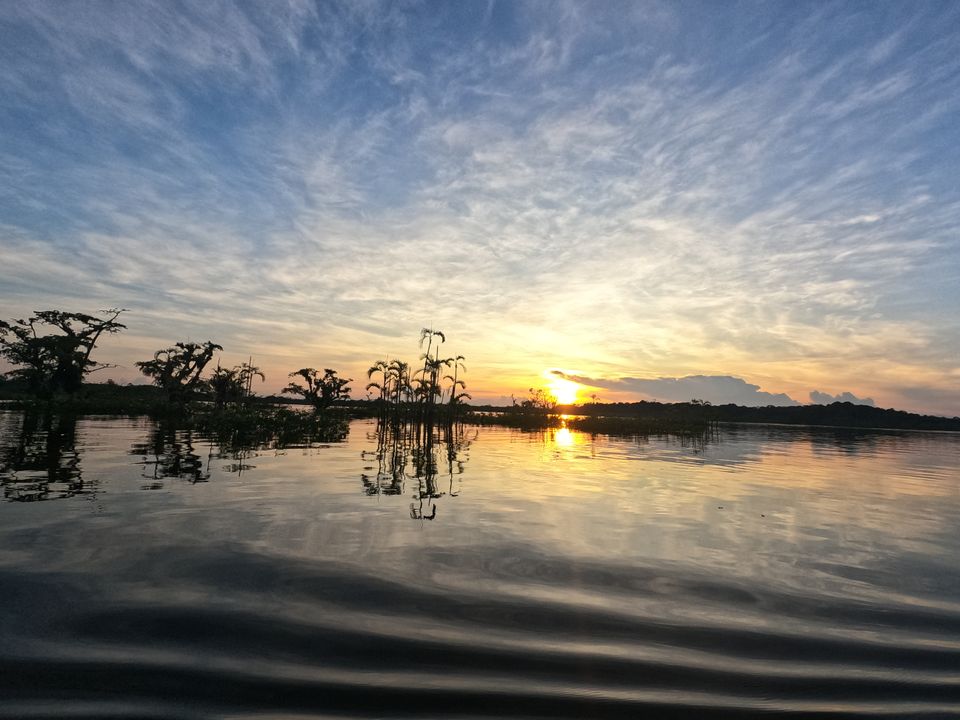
762	194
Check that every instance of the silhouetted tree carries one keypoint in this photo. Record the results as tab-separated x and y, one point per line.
428	386
320	390
539	401
383	387
399	374
55	362
234	385
178	369
458	365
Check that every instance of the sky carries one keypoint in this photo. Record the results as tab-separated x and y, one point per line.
747	202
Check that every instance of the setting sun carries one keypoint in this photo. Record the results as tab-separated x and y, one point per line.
565	391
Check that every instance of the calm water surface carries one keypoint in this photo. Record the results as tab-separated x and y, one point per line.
145	572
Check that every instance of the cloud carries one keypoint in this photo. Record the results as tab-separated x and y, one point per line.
550	187
717	389
822	398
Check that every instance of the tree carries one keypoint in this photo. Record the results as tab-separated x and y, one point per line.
321	390
399	375
539	401
458	365
428	385
234	385
55	362
178	369
382	367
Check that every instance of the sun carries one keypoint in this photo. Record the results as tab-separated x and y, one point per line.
565	391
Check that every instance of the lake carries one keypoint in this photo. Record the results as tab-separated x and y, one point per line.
147	572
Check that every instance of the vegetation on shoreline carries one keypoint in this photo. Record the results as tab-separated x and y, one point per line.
51	357
838	414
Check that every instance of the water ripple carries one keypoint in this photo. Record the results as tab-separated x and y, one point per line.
771	574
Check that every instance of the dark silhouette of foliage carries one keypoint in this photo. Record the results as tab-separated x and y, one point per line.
701	412
539	401
51	350
320	390
234	385
838	414
178	370
456	396
422	397
382	367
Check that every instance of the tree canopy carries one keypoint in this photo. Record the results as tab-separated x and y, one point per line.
234	385
178	369
320	390
51	350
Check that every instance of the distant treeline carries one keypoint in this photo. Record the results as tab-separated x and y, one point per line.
838	414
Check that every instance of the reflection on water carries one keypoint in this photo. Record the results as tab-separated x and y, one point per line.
431	459
759	572
38	457
169	453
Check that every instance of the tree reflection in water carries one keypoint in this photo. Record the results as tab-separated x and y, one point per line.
39	459
429	457
169	453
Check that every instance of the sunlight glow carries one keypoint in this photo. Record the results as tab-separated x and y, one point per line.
565	391
563	437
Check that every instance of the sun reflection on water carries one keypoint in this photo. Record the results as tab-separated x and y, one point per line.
563	437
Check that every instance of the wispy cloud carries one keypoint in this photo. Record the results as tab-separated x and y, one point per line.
626	190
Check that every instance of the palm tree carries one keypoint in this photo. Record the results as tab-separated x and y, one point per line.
428	335
380	366
400	377
457	363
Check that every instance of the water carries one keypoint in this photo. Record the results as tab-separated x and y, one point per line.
145	572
